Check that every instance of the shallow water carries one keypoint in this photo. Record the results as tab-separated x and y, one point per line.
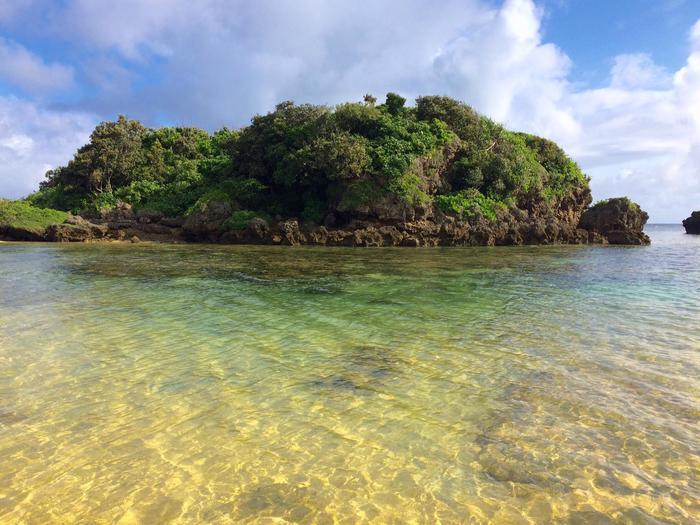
228	384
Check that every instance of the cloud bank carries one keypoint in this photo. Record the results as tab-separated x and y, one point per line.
214	63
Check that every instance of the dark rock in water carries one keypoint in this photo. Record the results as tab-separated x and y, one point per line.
616	221
692	223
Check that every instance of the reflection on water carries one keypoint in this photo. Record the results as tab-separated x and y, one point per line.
150	384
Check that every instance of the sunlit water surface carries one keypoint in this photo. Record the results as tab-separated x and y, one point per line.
228	384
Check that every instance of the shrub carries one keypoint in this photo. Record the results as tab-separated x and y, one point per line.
469	204
214	195
238	220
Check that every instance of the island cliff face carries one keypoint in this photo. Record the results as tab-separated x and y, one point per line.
359	174
692	223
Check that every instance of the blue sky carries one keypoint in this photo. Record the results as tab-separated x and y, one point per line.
616	82
591	32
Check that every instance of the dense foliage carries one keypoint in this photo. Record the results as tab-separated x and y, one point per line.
306	161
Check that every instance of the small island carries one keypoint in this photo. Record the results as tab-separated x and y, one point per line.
692	224
358	174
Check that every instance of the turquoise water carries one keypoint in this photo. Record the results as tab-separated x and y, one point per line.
231	384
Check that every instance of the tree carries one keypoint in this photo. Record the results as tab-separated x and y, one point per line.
394	103
461	118
341	156
114	156
370	100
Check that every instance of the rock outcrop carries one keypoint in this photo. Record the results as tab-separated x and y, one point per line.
692	223
205	224
14	233
76	229
615	221
120	223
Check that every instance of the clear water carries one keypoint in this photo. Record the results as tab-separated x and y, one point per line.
230	384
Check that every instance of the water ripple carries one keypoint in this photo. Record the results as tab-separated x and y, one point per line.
213	384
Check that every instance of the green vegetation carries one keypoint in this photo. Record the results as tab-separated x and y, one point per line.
307	161
240	219
624	201
22	215
468	204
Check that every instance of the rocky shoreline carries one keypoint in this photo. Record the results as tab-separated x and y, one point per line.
617	221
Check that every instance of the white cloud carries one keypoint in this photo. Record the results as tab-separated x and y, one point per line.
24	69
505	71
217	62
638	70
642	141
34	140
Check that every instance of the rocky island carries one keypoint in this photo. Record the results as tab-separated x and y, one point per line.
692	223
359	174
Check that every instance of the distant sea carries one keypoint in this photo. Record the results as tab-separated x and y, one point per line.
227	384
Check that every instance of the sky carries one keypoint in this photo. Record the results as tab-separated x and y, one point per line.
616	83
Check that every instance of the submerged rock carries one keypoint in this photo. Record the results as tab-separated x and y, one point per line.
692	223
616	221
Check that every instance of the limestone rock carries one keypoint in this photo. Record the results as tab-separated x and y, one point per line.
619	221
205	224
76	229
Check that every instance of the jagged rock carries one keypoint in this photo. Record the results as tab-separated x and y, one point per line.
120	225
317	235
290	233
390	235
257	228
581	236
76	229
148	216
692	223
257	231
121	212
205	224
619	221
368	237
338	238
624	237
